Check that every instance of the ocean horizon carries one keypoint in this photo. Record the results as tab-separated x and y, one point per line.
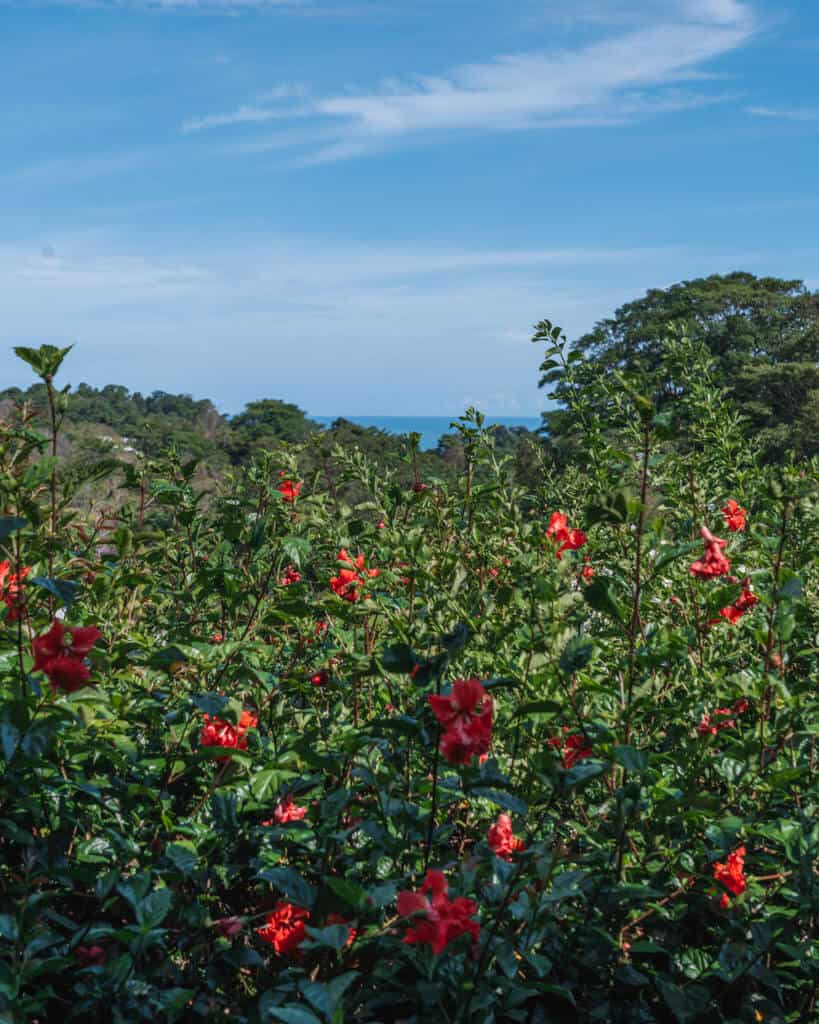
431	428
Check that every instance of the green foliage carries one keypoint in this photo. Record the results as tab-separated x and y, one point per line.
638	740
762	335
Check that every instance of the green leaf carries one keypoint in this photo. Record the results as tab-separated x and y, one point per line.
539	707
12	726
64	590
291	884
45	360
599	595
577	654
212	704
632	760
348	892
10	524
182	855
456	640
500	684
398	658
334	936
166	657
403	724
152	911
505	800
294	1015
223	808
296	550
670	553
791	588
583	773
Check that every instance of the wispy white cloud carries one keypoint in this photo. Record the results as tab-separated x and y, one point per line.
636	71
257	113
800	114
269	311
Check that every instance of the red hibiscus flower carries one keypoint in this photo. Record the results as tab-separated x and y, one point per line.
11	587
572	747
291	575
437	919
713	563
734	515
721	719
287	811
466	715
569	540
502	841
732	875
746	600
285	929
711	726
60	654
289	490
355	574
90	956
216	732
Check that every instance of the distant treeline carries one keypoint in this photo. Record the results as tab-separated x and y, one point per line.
761	335
113	421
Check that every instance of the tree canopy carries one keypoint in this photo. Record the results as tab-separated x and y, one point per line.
762	332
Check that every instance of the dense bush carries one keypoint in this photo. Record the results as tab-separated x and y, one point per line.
464	753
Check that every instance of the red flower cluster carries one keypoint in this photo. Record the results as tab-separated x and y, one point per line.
320	678
732	875
711	727
348	581
286	811
216	732
440	920
11	586
61	653
573	747
289	490
285	929
466	716
734	516
569	540
291	575
746	600
713	562
502	841
588	570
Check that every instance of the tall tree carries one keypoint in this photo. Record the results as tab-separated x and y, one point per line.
763	333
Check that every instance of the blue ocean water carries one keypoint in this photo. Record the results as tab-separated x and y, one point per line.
429	427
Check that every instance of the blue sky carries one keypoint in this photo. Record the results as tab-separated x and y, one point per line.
363	206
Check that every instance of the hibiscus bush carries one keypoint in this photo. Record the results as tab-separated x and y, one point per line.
453	754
